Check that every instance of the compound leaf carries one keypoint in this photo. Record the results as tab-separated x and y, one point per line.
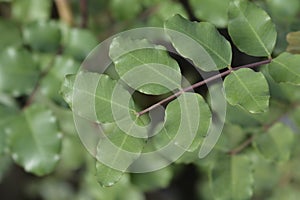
34	140
247	89
251	28
200	42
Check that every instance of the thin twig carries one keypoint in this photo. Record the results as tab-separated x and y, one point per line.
64	11
84	13
198	84
265	129
242	146
38	83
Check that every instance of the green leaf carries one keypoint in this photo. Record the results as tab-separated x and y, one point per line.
293	39
51	83
276	143
153	180
107	176
251	29
200	42
285	68
6	114
194	116
163	11
31	10
79	43
132	58
42	36
66	89
10	33
34	140
122	45
232	178
103	102
17	64
213	11
247	89
115	153
125	9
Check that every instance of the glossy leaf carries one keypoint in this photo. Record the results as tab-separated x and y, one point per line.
66	89
232	178
276	143
126	9
34	140
122	45
153	180
11	35
194	116
107	176
6	114
115	153
79	43
247	89
164	10
285	68
251	29
51	83
42	36
200	42
293	39
213	11
31	10
17	64
155	62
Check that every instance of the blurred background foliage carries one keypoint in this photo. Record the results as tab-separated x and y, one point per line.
44	40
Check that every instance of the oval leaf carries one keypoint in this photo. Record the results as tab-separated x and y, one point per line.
285	68
251	29
133	62
276	144
194	116
213	11
51	83
17	64
115	153
6	114
79	43
10	34
42	36
34	140
232	178
200	42
247	89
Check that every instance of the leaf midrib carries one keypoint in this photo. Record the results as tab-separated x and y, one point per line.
246	88
254	32
203	44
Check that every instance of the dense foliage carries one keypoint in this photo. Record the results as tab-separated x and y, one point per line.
43	44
